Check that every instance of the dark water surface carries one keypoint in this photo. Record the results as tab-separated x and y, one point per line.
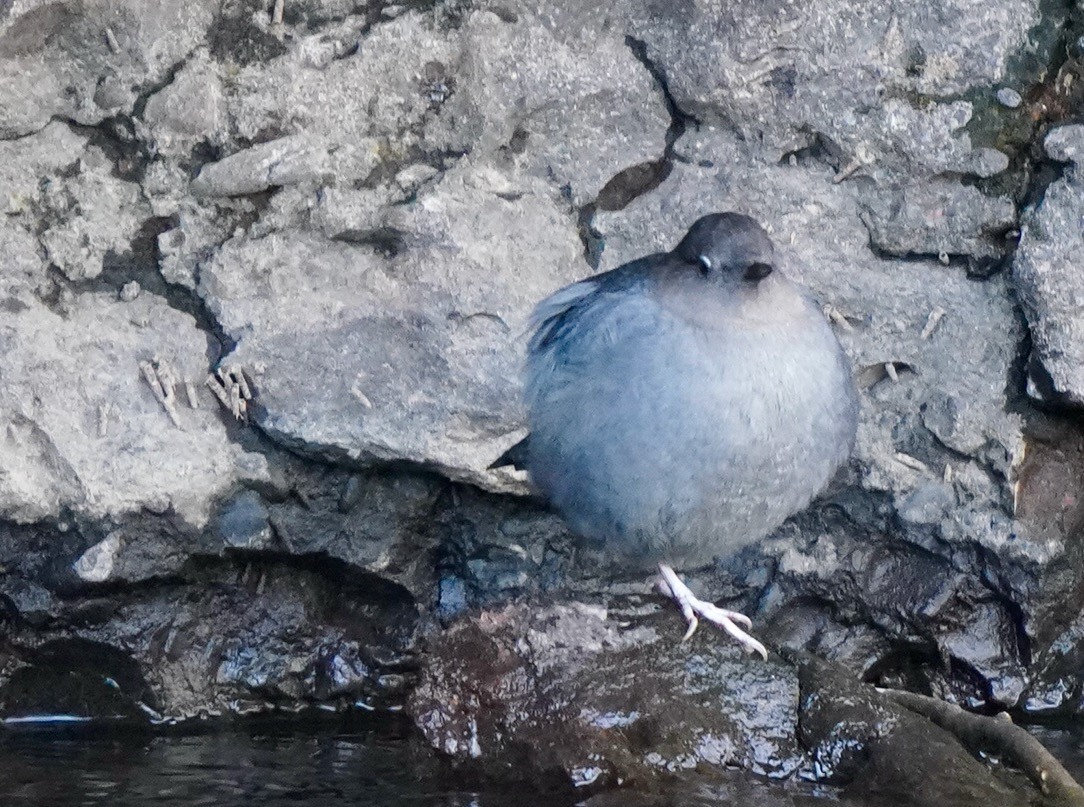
269	763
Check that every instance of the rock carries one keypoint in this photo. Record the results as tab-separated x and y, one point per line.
566	100
857	738
417	360
189	110
575	699
71	399
245	523
1046	277
837	74
286	161
574	695
1065	143
1009	98
236	639
90	216
939	217
63	60
96	564
129	291
390	80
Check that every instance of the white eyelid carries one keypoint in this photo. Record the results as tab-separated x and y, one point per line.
705	261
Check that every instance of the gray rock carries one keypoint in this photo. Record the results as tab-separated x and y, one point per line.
96	564
71	398
417	359
1066	143
245	523
286	161
565	100
89	215
189	110
129	291
939	217
1047	278
370	107
1008	97
59	59
789	77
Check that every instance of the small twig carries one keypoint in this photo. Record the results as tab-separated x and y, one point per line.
838	317
111	40
276	14
1007	739
220	391
162	393
237	375
931	322
913	463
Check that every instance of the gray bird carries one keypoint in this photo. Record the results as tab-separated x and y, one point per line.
685	404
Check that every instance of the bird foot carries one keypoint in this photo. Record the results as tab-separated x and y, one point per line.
694	609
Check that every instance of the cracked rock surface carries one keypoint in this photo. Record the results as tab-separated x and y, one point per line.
346	219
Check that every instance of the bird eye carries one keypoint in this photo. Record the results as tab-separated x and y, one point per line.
758	271
705	265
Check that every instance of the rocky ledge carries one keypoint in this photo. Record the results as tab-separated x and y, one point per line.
264	287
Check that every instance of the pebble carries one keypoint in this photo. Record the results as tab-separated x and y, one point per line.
1009	97
129	291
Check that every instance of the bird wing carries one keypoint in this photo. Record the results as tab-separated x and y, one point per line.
555	316
577	327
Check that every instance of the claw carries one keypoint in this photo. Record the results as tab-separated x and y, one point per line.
690	605
693	623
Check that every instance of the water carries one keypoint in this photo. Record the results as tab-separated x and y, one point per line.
269	763
261	764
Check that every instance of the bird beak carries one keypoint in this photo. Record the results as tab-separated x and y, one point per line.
758	271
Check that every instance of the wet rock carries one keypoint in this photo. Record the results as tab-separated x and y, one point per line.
858	739
222	638
575	695
1046	277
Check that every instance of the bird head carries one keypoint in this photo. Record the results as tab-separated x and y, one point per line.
727	248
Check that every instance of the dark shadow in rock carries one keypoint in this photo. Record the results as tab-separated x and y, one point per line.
80	678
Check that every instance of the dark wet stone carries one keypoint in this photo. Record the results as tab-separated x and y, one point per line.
573	695
245	522
860	740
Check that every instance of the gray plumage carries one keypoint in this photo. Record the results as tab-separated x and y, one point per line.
685	404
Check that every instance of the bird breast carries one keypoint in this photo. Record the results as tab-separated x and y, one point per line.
695	430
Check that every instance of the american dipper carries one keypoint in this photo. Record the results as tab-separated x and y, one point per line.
685	404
